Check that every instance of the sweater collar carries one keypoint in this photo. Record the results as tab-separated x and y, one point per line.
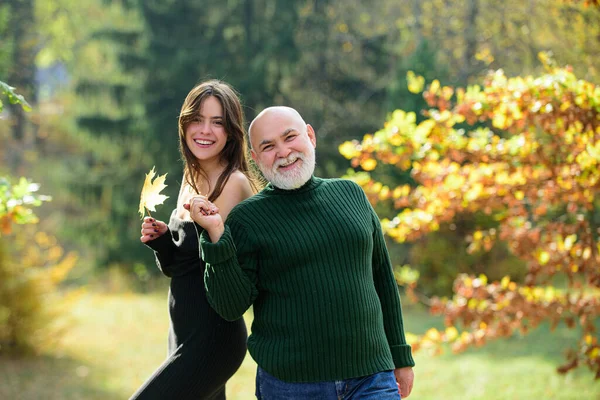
312	183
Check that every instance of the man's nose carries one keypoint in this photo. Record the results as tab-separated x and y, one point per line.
283	151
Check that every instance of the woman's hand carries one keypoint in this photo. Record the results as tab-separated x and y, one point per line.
206	214
152	229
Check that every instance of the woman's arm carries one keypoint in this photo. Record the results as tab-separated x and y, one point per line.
157	236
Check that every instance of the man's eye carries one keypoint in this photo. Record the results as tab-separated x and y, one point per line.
290	138
267	148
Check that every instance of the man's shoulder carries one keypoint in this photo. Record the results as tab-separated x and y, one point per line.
341	183
346	191
250	206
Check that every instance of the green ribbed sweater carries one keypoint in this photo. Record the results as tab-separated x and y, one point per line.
314	264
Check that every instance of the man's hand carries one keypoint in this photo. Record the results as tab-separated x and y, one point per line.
404	378
206	214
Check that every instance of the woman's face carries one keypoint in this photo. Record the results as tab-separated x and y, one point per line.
206	136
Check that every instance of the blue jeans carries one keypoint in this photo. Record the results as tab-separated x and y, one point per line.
379	386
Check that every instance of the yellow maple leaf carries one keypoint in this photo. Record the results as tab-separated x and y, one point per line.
151	196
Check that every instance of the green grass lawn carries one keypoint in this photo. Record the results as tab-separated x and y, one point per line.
116	341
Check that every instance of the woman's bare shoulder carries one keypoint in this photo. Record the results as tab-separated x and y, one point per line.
238	184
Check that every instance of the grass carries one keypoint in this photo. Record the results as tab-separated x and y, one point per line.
117	340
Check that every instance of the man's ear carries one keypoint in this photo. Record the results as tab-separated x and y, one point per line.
253	154
311	135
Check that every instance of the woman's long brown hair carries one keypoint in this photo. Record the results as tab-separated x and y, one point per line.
234	154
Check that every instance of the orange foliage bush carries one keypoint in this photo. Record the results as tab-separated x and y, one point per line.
524	151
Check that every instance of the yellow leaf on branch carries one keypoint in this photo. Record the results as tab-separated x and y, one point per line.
433	335
451	333
349	150
415	82
368	164
569	240
544	257
151	196
588	339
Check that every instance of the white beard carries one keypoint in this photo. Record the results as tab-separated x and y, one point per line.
294	178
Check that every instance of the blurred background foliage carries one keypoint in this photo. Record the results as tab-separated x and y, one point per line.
106	78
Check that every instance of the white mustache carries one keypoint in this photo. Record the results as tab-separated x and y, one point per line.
288	160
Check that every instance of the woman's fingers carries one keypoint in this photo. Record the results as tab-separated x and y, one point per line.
199	205
146	239
151	229
161	226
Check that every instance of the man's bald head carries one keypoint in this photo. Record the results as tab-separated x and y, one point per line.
283	147
275	116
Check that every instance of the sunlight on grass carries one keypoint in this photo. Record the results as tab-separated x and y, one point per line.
118	340
125	335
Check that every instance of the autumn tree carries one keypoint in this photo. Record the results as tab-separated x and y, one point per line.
16	199
22	38
32	265
525	152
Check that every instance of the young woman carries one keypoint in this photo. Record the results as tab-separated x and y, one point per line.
204	349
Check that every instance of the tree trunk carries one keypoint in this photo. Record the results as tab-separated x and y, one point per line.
470	41
417	10
22	71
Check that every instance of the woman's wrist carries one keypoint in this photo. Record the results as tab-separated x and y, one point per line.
216	232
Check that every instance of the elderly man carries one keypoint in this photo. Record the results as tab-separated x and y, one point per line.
309	254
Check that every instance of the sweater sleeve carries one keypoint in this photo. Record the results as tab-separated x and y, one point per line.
230	277
164	248
387	289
